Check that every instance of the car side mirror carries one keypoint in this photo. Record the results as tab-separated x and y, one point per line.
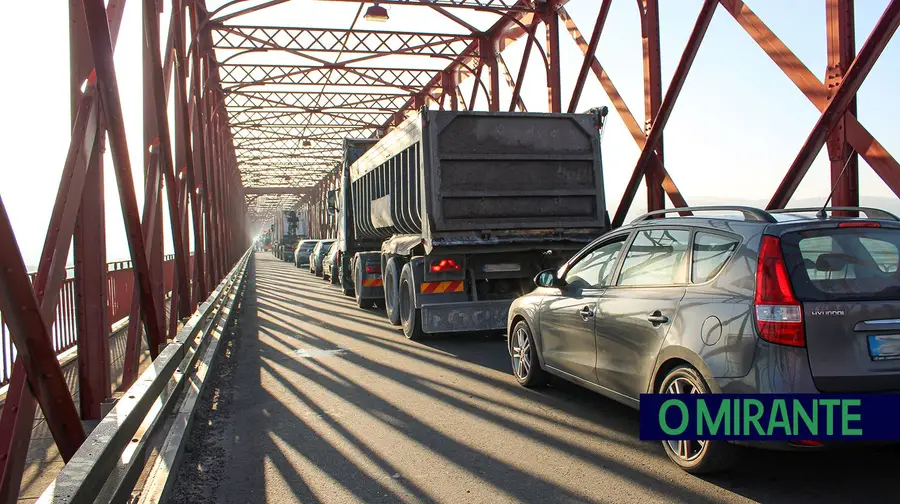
548	278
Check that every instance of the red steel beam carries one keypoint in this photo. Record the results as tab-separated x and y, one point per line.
859	138
89	242
20	405
199	133
652	95
523	67
841	51
101	47
152	41
589	54
554	73
837	107
184	120
665	109
621	107
30	333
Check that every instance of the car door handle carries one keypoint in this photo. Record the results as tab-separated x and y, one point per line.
586	313
657	318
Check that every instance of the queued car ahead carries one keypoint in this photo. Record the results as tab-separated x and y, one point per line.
317	255
301	253
793	301
330	264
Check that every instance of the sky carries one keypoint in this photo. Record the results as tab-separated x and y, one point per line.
736	128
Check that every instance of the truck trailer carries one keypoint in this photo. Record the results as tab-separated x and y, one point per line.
450	216
285	234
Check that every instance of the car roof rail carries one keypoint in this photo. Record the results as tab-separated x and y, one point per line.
749	213
871	213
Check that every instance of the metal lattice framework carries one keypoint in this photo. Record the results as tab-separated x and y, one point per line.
252	134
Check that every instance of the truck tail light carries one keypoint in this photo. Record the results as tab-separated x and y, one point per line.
445	265
779	316
373	269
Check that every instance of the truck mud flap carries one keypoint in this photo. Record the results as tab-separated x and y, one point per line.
465	317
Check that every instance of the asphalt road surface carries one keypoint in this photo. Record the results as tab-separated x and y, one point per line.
316	400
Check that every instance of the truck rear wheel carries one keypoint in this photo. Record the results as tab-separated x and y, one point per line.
392	290
410	316
346	281
365	304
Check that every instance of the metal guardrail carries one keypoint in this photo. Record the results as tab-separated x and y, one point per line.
113	457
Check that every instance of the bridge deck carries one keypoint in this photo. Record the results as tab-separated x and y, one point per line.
319	401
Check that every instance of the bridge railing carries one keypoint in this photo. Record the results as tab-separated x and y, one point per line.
64	333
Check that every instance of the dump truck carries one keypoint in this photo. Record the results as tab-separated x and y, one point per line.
285	234
348	243
460	210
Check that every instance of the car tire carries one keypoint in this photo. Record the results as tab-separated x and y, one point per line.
392	290
526	368
710	456
365	304
410	316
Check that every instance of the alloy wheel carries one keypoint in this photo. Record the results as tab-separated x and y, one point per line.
686	450
521	354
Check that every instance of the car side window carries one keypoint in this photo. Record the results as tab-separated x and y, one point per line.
595	269
711	252
656	257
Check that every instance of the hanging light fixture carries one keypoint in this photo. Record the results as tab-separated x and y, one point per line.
307	143
376	13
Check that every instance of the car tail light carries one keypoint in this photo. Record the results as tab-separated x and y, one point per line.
373	269
779	316
860	225
445	265
807	443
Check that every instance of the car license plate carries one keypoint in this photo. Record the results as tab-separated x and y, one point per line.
373	276
884	347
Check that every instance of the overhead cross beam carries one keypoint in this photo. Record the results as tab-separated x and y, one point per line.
338	41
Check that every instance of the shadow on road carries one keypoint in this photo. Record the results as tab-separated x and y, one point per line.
288	428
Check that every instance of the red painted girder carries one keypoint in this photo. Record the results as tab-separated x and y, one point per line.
20	405
862	141
841	51
665	109
101	48
631	124
589	54
152	39
29	330
856	74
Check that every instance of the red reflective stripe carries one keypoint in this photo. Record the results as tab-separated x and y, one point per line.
441	287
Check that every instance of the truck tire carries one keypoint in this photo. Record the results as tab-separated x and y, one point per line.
365	304
346	286
333	277
392	290
410	316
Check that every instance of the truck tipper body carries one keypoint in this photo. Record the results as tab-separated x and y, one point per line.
348	243
460	210
285	234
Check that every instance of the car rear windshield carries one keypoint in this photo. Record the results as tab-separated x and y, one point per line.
844	264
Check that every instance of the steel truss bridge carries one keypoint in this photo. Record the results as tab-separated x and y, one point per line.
259	114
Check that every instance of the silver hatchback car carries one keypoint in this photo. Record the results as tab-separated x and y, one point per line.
793	301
